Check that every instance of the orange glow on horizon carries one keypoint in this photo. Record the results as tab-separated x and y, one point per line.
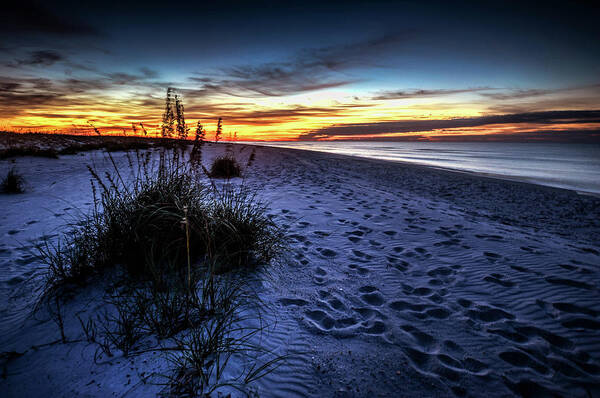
271	119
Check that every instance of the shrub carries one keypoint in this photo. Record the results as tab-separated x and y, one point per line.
175	237
225	166
160	219
13	182
240	234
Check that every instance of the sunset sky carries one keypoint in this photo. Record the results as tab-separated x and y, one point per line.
306	70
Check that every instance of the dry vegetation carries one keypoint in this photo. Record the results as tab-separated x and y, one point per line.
185	249
13	182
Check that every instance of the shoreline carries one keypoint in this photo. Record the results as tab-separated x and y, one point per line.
587	202
506	177
547	197
116	143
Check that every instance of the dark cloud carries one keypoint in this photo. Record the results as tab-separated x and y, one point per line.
78	86
402	94
411	126
513	94
517	94
149	73
284	82
310	70
278	116
21	95
23	17
41	58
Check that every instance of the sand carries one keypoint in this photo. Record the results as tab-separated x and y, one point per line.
399	280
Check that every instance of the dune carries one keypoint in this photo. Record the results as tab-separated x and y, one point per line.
398	280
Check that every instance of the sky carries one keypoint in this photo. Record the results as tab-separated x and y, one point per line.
377	70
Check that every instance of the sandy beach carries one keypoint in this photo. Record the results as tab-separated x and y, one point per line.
398	280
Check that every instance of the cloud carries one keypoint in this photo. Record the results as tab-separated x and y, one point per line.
411	126
256	83
516	94
309	70
498	94
149	73
27	95
41	58
416	93
283	115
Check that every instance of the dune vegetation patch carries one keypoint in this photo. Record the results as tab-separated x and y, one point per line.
13	182
225	166
185	250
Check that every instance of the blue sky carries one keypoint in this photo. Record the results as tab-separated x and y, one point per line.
364	61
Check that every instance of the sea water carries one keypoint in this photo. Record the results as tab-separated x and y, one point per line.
570	166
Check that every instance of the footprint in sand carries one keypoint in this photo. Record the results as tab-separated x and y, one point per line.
361	254
401	305
438	313
371	296
360	270
582	323
492	238
449	242
488	314
568	282
575	309
441	272
328	253
520	359
324	322
293	301
491	256
499	280
424	340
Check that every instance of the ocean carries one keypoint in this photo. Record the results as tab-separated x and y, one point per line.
570	166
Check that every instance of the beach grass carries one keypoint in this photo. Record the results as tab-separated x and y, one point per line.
183	246
225	166
13	182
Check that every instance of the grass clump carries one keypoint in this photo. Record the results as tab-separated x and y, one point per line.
159	219
13	182
225	166
183	249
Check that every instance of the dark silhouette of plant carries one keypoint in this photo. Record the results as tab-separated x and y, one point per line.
143	129
134	128
136	222
182	129
94	127
225	166
13	182
168	119
196	154
219	130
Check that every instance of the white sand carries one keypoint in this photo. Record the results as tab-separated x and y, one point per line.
400	281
